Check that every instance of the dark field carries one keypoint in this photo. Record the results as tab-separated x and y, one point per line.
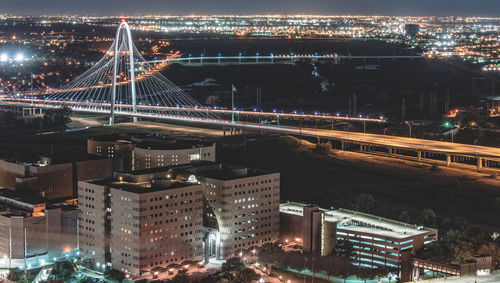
338	180
293	87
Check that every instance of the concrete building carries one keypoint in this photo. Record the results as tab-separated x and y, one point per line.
140	221
241	209
33	232
139	153
50	177
112	147
378	242
145	220
21	111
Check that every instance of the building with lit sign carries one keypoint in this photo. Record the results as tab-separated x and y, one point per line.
378	241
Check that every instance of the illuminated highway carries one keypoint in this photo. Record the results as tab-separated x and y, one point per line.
26	102
392	142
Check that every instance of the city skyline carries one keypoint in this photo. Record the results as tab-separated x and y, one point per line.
316	7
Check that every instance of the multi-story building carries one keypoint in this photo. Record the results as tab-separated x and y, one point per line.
140	221
378	241
242	206
137	153
52	178
33	232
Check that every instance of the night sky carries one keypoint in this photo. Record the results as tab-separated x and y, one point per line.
177	7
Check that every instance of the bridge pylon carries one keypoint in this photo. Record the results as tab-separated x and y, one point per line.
124	83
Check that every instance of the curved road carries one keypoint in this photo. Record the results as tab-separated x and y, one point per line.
457	149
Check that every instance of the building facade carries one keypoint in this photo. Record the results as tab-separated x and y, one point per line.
378	242
33	232
52	180
138	153
148	221
242	202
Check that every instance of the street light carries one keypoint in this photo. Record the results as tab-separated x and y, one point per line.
4	57
19	57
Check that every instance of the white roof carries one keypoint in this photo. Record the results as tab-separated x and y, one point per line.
361	222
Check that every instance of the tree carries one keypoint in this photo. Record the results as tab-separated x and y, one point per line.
344	248
365	202
64	270
181	277
231	267
15	274
295	260
85	279
84	261
114	275
428	217
245	275
323	148
333	265
57	118
9	118
271	254
404	216
212	100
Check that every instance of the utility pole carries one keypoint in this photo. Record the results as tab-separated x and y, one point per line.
350	107
31	84
354	104
233	89
403	110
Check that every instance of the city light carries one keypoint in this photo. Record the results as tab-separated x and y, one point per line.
4	57
19	57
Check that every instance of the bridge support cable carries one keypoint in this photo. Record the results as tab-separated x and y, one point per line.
123	83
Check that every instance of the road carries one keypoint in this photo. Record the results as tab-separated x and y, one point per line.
404	143
494	277
383	140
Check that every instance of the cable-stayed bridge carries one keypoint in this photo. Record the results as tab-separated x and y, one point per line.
124	83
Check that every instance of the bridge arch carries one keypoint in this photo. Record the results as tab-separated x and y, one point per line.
123	27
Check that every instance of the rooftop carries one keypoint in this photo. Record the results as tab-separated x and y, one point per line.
153	142
362	222
47	160
164	144
30	199
228	173
142	187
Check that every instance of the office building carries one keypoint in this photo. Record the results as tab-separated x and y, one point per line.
241	209
33	232
378	242
52	178
137	153
140	221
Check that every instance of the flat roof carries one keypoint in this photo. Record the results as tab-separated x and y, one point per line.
361	222
152	142
139	188
165	144
36	160
25	198
230	172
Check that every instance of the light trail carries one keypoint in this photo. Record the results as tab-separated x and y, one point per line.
404	143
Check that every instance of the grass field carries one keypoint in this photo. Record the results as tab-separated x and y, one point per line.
338	178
